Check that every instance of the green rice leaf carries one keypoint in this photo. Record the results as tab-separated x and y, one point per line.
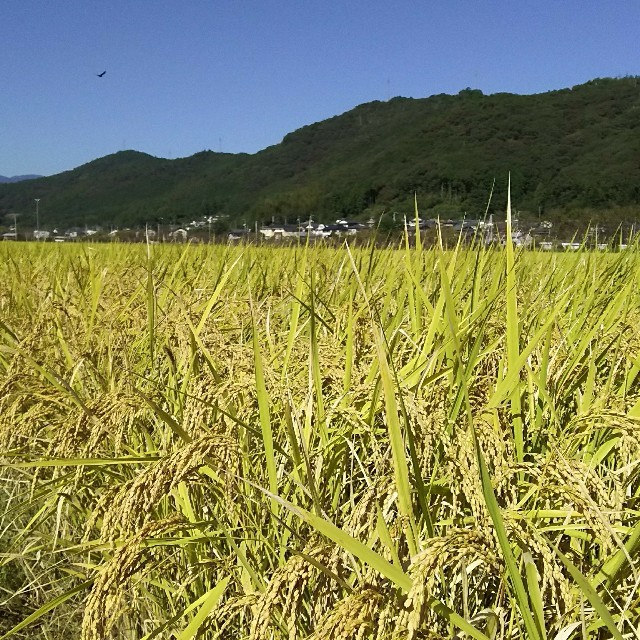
535	596
621	558
507	553
398	448
206	602
263	408
591	595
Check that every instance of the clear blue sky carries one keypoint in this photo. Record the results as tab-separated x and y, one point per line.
237	75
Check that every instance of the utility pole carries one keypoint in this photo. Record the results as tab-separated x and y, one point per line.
38	216
15	225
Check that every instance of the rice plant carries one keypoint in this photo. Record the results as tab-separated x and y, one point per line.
314	442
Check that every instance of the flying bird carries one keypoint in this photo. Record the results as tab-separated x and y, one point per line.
101	74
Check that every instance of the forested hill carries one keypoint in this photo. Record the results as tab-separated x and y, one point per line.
567	150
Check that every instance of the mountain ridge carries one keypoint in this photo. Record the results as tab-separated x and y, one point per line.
567	150
8	179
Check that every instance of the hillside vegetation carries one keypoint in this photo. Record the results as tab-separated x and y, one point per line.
571	153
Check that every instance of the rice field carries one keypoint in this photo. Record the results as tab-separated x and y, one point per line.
318	443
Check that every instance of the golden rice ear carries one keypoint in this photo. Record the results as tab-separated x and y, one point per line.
358	615
136	502
107	600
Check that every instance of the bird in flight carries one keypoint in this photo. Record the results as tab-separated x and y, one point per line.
101	74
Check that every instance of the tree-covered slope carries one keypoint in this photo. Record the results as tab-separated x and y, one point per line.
567	149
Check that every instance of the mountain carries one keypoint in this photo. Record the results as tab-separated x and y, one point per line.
571	152
5	179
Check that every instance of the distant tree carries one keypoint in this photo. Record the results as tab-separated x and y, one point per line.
389	222
221	226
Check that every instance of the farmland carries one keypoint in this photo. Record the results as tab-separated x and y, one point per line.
318	442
